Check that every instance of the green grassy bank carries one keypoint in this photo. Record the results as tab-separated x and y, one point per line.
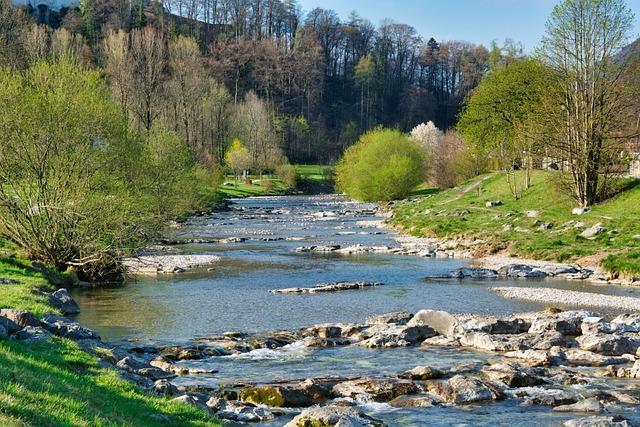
55	383
462	212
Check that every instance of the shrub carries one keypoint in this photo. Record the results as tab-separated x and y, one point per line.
287	174
383	165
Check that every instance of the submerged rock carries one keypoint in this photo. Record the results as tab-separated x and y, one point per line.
327	287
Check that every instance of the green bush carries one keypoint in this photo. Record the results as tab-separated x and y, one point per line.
383	165
287	173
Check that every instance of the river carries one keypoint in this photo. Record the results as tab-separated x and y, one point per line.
233	296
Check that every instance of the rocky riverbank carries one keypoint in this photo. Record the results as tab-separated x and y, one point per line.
535	359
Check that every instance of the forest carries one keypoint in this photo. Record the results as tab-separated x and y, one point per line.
316	82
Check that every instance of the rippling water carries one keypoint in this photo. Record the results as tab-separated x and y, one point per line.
234	296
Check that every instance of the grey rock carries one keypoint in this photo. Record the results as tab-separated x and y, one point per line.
591	405
521	271
609	344
32	334
66	328
599	421
494	325
61	300
422	373
493	203
396	317
164	387
415	401
627	323
9	325
587	358
236	411
461	390
389	336
20	317
474	273
191	400
593	231
379	389
439	321
3	332
333	416
580	211
327	287
513	375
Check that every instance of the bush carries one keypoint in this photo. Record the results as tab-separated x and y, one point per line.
76	188
383	165
287	174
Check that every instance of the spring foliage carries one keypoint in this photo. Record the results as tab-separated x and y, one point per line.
383	165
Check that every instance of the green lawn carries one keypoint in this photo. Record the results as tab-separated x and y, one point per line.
267	186
453	213
57	384
314	172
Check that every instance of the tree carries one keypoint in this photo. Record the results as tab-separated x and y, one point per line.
426	134
238	158
148	64
65	195
591	103
383	165
499	118
13	26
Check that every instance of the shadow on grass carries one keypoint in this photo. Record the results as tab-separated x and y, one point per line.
55	383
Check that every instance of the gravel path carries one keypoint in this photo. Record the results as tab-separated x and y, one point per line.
559	296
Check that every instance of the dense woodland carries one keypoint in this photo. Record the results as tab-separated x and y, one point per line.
321	81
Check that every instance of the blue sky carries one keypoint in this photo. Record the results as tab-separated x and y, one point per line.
478	21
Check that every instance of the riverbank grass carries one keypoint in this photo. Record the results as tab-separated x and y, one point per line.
55	383
538	225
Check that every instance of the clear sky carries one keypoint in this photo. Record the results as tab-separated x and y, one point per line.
478	21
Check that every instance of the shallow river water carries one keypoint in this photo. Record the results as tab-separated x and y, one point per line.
234	296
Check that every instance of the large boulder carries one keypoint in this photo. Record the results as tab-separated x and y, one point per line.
20	317
182	353
8	325
440	321
609	344
342	416
567	323
487	342
389	336
415	401
300	395
462	390
61	300
627	323
586	358
593	231
378	389
473	273
66	328
521	271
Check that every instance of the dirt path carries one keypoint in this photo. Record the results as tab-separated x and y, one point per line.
475	184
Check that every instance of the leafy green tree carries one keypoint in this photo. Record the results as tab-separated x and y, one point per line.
383	165
500	117
592	102
238	158
65	196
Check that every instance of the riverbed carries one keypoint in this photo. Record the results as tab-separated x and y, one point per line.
260	254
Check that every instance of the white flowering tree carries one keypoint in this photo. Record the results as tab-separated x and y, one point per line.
426	134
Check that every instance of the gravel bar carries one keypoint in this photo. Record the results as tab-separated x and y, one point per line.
559	296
